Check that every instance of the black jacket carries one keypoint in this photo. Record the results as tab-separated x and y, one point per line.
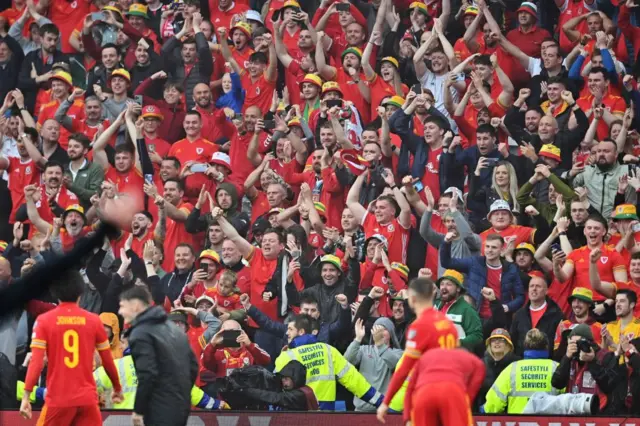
165	366
493	370
28	85
301	398
173	283
547	324
10	70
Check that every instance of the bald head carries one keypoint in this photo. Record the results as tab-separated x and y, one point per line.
231	325
202	95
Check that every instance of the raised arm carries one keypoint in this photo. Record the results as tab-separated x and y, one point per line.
326	71
230	232
469	36
32	211
514	51
353	198
99	155
281	49
569	27
418	61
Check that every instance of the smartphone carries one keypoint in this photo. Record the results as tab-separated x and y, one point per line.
418	186
296	10
269	124
238	116
204	267
343	7
276	16
229	338
334	102
492	162
555	247
417	89
636	227
199	168
175	5
99	16
138	99
148	179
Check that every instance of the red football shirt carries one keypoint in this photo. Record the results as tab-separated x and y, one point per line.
64	199
494	282
21	174
176	234
397	236
261	272
258	93
70	335
66	15
199	151
352	93
48	112
130	182
610	261
431	176
614	104
523	234
429	331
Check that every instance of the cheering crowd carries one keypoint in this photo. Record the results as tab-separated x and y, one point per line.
294	165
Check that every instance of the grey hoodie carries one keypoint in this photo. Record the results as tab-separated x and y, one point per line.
376	363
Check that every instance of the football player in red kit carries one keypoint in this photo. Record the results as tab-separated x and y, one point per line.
431	329
442	386
68	335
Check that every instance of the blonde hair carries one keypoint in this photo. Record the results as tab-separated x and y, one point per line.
536	339
513	184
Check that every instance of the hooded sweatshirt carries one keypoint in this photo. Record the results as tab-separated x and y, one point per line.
111	320
376	363
196	223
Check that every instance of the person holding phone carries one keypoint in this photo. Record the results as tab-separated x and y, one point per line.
231	349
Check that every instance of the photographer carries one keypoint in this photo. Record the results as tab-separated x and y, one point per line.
586	368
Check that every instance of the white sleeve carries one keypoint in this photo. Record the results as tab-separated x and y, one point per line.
535	66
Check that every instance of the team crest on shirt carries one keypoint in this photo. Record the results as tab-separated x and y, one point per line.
226	303
27	171
390	227
604	259
199	150
385	280
245	361
257	90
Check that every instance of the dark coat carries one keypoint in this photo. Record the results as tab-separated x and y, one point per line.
548	324
165	366
174	65
11	69
28	85
493	370
511	288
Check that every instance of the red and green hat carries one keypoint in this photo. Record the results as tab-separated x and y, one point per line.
333	260
245	27
420	6
471	10
529	8
625	211
356	51
402	269
550	151
454	276
137	9
395	100
331	86
63	76
152	111
393	61
211	255
313	79
581	293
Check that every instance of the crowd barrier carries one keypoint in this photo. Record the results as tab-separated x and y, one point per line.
120	418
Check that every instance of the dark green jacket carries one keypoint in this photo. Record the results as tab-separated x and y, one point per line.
87	182
467	322
548	211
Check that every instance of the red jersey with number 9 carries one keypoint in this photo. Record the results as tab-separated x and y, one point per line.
430	331
70	335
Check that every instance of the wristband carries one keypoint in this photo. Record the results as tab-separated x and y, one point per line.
630	352
148	263
562	233
394	187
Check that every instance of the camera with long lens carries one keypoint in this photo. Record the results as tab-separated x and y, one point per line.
584	345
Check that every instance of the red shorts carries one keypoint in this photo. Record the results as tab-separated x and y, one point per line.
441	404
85	415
